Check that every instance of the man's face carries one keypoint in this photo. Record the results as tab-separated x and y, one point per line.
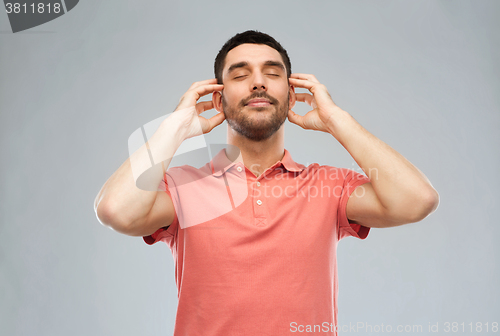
256	94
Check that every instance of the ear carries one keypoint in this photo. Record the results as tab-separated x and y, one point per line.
292	98
217	101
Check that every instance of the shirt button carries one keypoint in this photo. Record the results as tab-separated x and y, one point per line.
239	169
258	184
259	202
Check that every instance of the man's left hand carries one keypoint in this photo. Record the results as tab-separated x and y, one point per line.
320	117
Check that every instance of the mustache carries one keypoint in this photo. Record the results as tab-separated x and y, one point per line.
260	94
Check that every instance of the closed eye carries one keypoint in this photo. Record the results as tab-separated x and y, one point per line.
275	75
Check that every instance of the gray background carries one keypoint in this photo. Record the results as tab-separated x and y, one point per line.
420	75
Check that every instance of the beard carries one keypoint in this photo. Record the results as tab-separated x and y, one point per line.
262	127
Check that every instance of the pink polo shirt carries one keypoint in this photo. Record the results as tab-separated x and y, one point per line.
257	256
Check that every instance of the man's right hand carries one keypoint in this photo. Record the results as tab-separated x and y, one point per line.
122	204
191	110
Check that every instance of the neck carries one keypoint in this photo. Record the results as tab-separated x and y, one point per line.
257	156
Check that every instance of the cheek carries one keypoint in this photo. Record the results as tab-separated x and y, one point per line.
231	96
284	96
228	101
282	92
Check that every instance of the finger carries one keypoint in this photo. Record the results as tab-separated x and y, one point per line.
204	106
311	86
305	97
216	120
310	77
296	118
203	90
303	83
203	82
190	98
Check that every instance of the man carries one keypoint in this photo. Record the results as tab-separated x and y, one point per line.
265	263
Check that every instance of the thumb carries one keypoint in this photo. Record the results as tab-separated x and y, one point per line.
296	118
215	121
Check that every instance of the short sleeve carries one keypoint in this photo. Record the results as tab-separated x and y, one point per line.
165	233
352	180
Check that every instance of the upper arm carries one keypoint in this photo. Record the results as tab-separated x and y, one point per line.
162	214
364	208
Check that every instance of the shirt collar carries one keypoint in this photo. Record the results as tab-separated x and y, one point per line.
220	163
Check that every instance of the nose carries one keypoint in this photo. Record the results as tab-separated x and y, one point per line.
259	82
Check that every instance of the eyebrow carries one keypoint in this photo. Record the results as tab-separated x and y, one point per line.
245	64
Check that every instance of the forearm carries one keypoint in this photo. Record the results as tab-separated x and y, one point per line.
401	188
123	201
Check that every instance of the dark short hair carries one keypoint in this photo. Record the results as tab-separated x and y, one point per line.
249	36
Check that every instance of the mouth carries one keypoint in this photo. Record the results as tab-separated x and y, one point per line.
258	102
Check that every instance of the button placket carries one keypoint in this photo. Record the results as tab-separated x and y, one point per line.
260	217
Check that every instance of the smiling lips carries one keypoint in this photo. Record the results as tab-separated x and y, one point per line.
258	102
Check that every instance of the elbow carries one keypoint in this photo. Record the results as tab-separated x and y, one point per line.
434	199
104	214
427	203
109	218
412	209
